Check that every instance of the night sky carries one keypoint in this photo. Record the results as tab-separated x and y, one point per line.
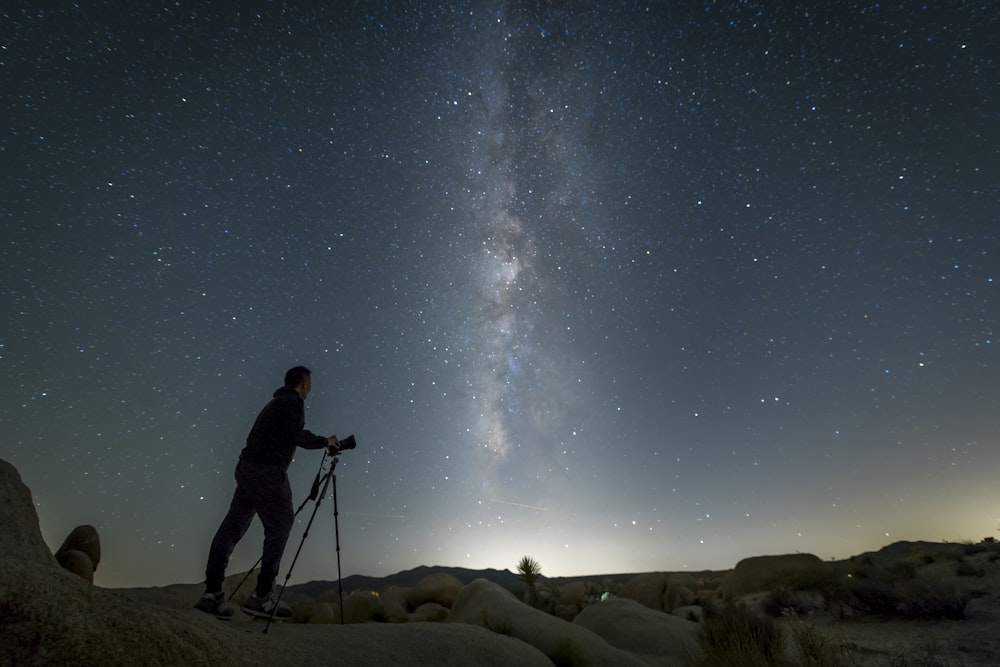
619	286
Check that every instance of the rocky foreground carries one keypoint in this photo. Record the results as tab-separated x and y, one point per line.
912	604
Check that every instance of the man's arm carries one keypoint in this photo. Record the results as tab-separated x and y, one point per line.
308	440
303	437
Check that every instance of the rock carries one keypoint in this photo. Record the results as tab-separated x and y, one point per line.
573	594
49	616
430	611
632	626
394	604
83	538
323	612
439	587
766	573
691	612
360	607
568	600
566	612
82	541
22	537
78	563
660	591
486	604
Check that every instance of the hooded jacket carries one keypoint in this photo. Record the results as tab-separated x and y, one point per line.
278	430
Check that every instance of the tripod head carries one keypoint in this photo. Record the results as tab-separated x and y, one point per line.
342	445
334	453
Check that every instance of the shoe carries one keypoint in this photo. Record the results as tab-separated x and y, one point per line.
215	603
267	607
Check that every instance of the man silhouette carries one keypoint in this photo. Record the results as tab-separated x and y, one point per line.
262	489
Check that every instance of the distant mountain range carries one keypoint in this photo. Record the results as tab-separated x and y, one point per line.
512	580
407	579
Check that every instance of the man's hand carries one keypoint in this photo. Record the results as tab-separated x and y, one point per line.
332	445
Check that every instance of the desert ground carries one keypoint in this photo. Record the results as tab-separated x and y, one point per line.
910	603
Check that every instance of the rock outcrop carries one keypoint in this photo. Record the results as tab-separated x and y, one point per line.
486	604
49	616
660	590
631	626
22	537
764	573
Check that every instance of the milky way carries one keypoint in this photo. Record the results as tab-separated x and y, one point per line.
618	286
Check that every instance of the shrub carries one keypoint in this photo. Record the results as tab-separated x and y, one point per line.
737	636
927	599
904	569
927	655
969	548
782	600
812	649
872	596
964	568
934	600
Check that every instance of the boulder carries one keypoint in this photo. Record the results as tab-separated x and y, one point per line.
22	537
566	612
766	573
323	612
660	590
430	611
81	552
635	627
83	538
691	612
78	563
360	607
573	594
439	587
487	605
394	604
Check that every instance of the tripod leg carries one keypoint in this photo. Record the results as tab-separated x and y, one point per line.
312	496
245	577
336	531
305	534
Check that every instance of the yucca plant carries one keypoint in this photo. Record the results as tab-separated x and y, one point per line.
529	569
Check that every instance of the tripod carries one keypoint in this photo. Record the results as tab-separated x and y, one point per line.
323	478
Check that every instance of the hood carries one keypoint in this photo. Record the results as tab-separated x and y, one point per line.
283	391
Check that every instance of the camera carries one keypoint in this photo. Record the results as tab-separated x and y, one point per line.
348	443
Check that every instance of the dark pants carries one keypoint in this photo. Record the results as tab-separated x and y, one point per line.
260	490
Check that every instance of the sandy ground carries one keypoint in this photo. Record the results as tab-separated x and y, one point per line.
971	642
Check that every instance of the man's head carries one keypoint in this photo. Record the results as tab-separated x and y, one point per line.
299	379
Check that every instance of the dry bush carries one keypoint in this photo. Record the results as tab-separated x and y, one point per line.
935	599
736	636
783	600
929	599
810	648
927	655
965	568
